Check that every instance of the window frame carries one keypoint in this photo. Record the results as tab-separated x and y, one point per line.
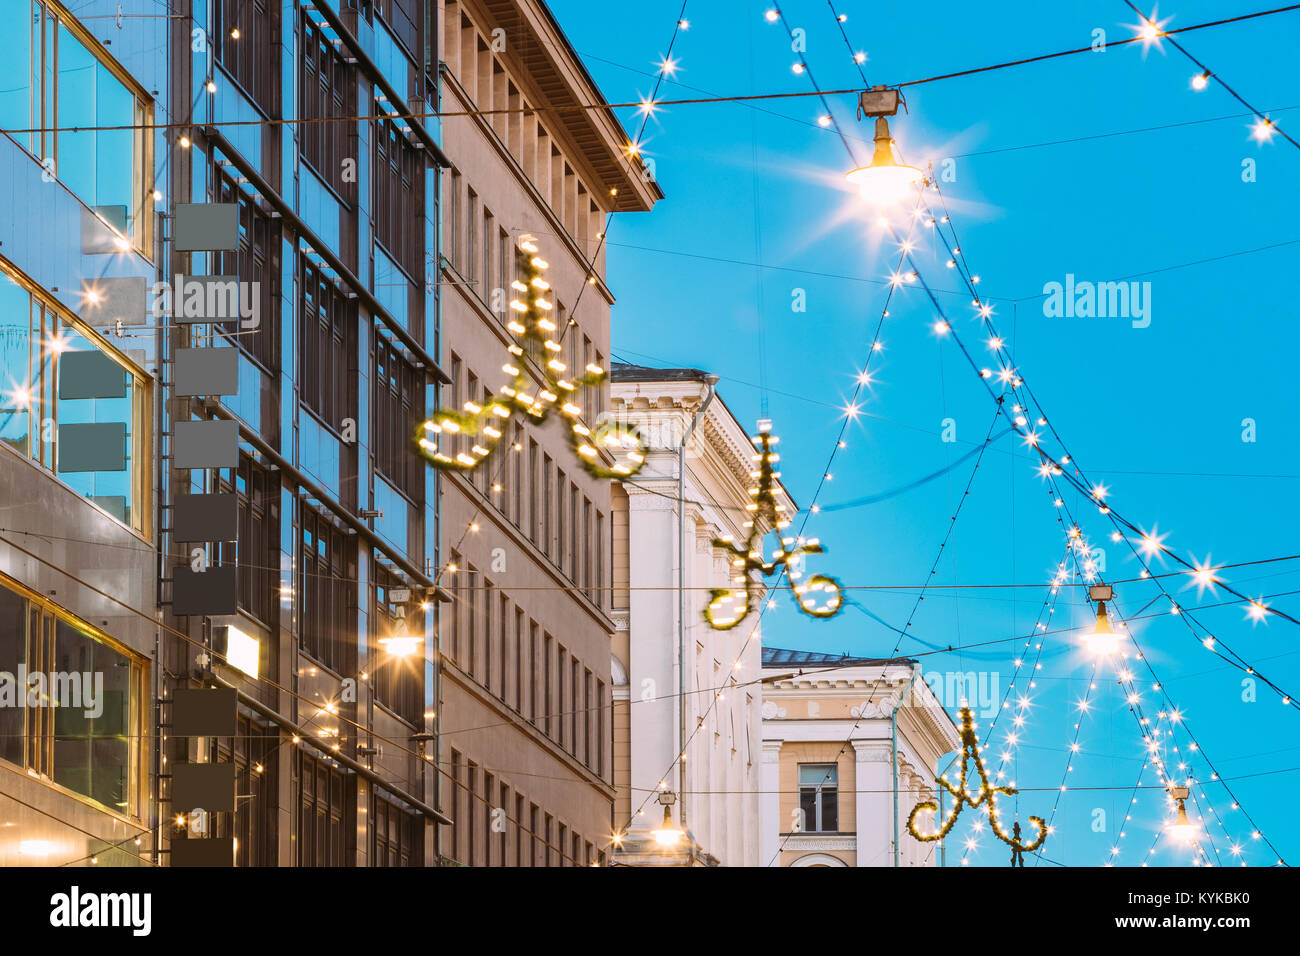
822	792
58	319
40	609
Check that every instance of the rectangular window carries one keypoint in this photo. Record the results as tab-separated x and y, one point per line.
471	811
471	242
256	263
328	616
398	405
489	633
489	247
74	404
534	670
452	227
503	624
489	804
548	478
522	855
586	718
396	835
575	535
548	697
521	654
255	552
588	566
254	750
56	77
85	737
533	490
573	701
403	17
599	704
326	801
455	839
244	43
399	193
329	96
599	546
457	613
517	477
819	797
472	591
327	372
398	679
557	695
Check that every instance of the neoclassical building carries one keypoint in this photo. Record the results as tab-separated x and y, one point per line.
850	745
693	488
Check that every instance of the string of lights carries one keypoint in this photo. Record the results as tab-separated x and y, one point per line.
640	104
951	263
1151	32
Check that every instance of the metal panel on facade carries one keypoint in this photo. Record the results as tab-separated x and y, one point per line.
206	226
99	446
212	517
208	444
219	851
112	300
208	371
206	786
90	375
204	592
204	712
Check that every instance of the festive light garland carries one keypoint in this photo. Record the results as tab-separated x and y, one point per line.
482	426
818	596
961	796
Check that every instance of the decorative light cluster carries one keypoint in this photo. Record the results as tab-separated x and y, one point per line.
463	440
962	797
818	595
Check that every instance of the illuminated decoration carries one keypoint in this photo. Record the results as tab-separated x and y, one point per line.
463	440
970	751
818	595
1182	830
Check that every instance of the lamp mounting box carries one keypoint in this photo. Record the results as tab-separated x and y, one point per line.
1101	592
878	101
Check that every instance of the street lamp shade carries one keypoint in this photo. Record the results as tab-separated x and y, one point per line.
885	181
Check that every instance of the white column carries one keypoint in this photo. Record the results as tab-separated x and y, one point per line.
769	802
652	560
875	803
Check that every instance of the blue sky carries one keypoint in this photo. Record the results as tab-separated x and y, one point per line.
1155	413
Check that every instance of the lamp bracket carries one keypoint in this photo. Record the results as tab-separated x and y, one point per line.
878	101
1101	592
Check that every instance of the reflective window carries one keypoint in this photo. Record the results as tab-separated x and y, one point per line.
54	77
71	403
70	701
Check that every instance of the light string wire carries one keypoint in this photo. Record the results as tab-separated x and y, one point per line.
1264	126
862	381
896	281
986	313
582	107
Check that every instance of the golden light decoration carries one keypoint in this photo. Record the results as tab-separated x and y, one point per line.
462	440
818	595
962	797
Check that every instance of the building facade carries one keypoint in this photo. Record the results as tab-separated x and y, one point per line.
693	488
331	336
849	747
525	679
